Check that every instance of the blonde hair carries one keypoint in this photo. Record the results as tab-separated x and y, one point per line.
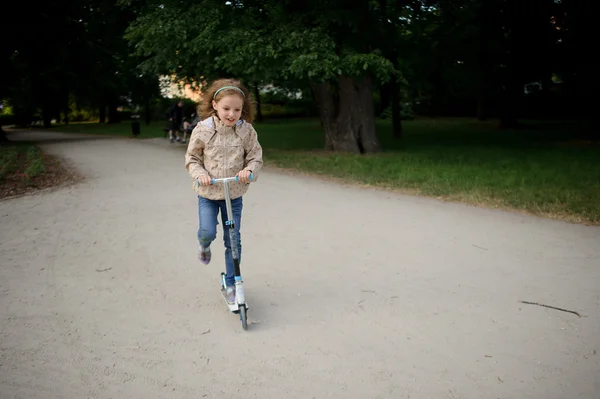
206	110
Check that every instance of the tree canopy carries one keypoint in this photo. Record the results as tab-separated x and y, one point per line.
357	60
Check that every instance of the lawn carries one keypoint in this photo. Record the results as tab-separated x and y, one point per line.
117	129
21	161
25	168
549	169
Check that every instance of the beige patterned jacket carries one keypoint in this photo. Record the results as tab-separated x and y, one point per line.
220	151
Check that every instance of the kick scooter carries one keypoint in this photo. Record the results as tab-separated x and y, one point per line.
239	306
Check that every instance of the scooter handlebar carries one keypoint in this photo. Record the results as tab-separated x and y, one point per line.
234	178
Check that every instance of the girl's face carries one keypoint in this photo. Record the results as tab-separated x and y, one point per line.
229	109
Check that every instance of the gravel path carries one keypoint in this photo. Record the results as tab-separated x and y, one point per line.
354	293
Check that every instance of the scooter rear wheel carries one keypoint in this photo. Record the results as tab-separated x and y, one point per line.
243	316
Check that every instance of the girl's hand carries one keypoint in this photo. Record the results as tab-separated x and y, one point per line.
204	180
244	175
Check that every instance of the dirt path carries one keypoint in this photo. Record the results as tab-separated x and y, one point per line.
354	293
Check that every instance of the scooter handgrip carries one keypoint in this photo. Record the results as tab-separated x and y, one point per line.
251	178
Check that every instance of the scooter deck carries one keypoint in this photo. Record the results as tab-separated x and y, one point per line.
234	307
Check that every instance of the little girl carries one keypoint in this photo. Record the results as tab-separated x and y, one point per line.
223	144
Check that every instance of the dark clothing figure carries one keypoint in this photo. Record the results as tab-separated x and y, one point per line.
176	117
175	120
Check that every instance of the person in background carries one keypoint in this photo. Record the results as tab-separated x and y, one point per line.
189	126
175	121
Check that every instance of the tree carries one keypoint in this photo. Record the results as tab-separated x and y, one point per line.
87	59
37	63
328	44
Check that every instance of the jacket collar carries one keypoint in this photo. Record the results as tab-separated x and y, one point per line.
212	120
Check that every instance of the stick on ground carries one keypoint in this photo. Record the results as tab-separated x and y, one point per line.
551	307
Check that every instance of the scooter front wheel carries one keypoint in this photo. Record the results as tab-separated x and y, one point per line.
243	316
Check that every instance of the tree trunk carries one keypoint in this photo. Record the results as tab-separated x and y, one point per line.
392	89
390	96
512	89
102	112
386	97
113	116
313	93
396	110
147	112
347	114
65	109
259	116
486	19
47	107
508	116
482	98
482	105
47	116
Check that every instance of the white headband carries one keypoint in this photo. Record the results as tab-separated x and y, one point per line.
228	87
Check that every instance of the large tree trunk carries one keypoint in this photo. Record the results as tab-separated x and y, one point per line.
347	114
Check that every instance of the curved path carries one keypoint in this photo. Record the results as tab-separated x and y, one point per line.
354	293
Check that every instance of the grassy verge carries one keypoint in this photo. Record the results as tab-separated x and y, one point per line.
22	162
25	168
117	129
548	169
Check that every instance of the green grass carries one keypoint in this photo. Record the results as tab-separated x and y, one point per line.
549	169
544	168
117	129
20	162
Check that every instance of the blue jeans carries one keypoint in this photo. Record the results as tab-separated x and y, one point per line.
207	231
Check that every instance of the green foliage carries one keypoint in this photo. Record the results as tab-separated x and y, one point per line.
87	60
445	55
6	109
209	38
